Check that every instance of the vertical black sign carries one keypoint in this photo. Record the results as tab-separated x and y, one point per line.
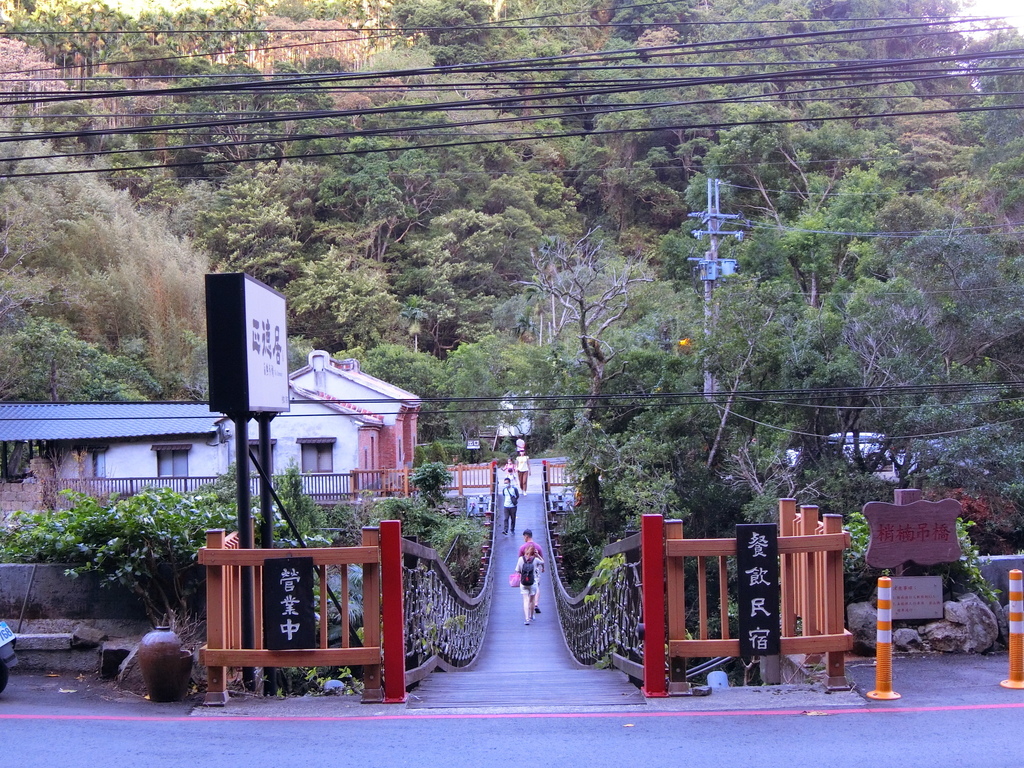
246	338
757	565
289	619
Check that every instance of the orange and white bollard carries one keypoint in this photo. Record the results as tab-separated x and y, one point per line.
1016	631
883	644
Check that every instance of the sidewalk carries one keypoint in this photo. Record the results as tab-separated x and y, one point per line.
926	681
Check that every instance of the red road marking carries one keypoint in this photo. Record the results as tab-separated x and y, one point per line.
527	715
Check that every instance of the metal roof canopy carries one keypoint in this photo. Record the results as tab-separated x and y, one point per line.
103	421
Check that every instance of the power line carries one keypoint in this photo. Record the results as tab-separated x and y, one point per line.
517	101
789	395
742	44
490	141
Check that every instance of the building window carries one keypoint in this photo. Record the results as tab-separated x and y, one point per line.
91	460
317	454
254	448
172	460
98	462
317	458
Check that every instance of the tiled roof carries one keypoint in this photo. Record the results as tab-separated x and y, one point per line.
98	421
373	383
338	406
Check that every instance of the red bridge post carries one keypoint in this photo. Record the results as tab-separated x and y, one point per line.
652	565
392	611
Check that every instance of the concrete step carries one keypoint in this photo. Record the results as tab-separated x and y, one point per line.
85	650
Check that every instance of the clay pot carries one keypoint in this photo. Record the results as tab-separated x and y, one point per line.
166	666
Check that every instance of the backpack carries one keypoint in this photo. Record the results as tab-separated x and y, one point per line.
526	573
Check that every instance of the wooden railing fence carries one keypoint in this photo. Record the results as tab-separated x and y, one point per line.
811	575
382	654
555	477
327	489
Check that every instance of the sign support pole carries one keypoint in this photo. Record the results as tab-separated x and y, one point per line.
266	521
243	500
246	341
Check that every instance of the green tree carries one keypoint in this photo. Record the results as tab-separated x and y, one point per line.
341	302
56	366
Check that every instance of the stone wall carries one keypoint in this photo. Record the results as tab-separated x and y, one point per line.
50	601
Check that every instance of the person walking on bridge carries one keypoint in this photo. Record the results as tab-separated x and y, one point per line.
529	567
509	504
510	468
529	542
523	470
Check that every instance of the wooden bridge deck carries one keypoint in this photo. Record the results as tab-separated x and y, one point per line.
524	665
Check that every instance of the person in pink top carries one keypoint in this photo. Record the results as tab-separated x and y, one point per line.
510	468
529	566
529	542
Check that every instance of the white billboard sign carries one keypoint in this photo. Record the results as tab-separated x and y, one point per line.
267	353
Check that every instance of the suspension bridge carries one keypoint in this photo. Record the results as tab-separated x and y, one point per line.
436	646
518	664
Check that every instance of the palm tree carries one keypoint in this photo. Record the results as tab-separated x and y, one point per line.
414	315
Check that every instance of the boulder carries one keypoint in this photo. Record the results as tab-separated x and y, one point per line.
112	655
908	639
945	636
862	621
968	626
1003	618
86	636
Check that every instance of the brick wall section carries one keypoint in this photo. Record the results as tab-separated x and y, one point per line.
410	422
404	430
387	448
41	469
15	497
369	440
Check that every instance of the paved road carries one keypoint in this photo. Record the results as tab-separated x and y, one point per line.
940	721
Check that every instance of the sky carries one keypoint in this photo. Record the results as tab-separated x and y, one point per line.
1013	10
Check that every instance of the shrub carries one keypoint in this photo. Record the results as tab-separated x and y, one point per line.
581	553
149	543
432	479
435	452
309	517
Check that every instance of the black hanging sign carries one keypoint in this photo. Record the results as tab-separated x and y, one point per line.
757	566
289	618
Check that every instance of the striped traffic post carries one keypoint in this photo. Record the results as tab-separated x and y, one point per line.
883	644
1016	631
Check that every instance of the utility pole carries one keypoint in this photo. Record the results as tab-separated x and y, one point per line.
710	268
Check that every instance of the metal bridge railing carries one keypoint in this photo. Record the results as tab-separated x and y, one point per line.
602	623
444	626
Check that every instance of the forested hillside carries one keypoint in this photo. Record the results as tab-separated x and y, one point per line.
495	201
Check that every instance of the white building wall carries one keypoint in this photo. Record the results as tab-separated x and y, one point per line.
348	391
311	420
138	459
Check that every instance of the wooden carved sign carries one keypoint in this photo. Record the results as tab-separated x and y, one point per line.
289	618
758	593
923	532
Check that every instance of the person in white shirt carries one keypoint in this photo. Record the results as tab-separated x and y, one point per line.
523	470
